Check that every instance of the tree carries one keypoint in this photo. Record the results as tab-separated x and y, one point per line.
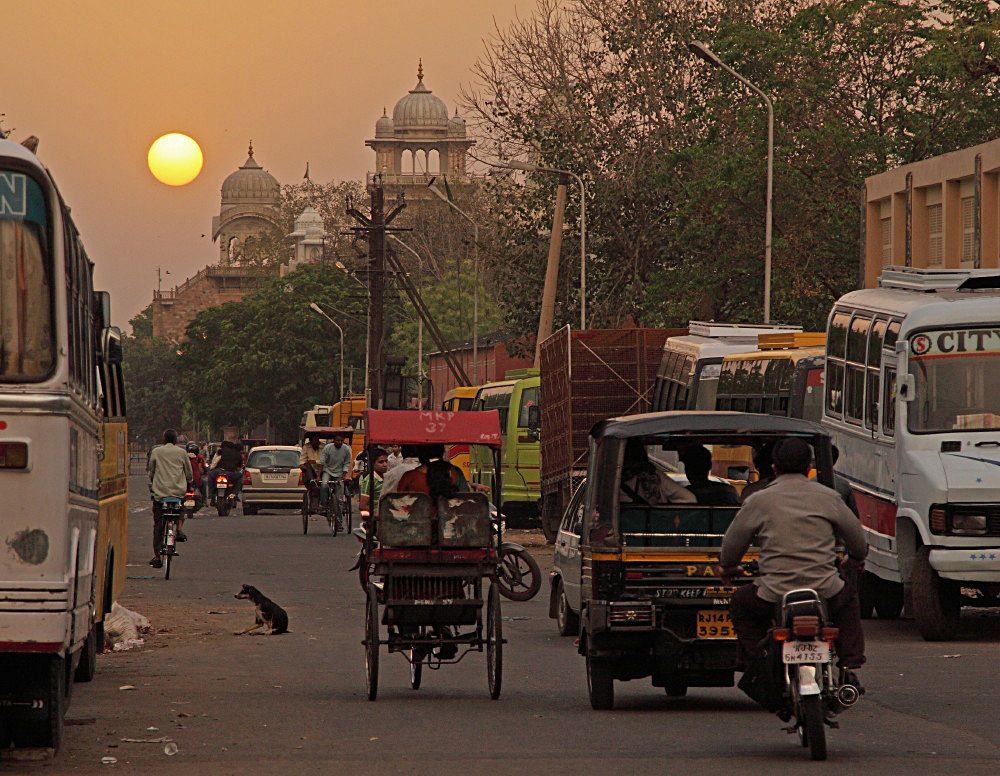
267	357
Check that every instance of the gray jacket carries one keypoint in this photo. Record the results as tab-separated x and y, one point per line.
796	522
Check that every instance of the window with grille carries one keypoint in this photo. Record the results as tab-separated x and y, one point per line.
935	230
886	225
968	231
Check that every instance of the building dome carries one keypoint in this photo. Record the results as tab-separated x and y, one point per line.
456	127
420	109
251	183
384	127
309	225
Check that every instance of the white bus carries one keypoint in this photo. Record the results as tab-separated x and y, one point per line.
60	398
912	399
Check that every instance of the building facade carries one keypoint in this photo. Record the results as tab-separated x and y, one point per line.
940	212
248	206
495	360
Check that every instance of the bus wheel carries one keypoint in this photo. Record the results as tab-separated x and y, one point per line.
88	658
50	684
937	603
888	599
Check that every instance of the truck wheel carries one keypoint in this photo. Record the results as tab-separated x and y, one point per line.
937	602
600	683
888	599
50	684
675	688
88	657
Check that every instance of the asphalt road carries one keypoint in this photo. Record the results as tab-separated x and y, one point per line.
296	703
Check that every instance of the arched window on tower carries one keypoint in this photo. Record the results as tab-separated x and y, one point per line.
433	162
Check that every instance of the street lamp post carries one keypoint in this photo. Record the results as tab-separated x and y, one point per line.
475	273
527	167
420	323
702	51
319	311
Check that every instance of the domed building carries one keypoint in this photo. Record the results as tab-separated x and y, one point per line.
420	141
250	197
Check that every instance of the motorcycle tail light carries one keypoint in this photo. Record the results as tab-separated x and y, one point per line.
780	634
246	478
829	634
805	625
220	480
939	522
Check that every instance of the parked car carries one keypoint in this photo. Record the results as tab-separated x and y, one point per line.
272	479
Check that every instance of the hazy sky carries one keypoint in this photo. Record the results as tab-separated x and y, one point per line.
99	80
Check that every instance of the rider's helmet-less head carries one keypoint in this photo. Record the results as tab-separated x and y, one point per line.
169	437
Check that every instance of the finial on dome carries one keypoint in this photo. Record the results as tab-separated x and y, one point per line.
420	69
385	112
251	149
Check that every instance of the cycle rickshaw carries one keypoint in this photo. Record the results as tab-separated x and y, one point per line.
311	498
429	567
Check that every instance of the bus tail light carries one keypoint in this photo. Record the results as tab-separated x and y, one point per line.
13	455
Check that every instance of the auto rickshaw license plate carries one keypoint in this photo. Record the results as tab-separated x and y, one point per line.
714	624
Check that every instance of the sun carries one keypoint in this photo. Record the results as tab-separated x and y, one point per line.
175	159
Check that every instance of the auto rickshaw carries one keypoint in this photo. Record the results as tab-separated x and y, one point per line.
311	498
651	604
428	565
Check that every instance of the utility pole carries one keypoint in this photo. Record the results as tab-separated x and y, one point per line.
374	227
552	269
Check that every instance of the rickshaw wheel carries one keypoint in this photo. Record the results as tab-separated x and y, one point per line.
416	669
305	514
494	641
371	642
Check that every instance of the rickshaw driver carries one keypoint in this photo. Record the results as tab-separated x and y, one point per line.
797	522
336	462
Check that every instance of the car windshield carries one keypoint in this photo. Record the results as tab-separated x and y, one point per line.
955	373
27	349
262	459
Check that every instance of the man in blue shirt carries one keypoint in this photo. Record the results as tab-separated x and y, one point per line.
335	461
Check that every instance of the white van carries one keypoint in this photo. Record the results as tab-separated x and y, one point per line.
912	400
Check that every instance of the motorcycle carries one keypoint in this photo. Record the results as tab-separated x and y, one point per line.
519	577
225	494
190	504
800	655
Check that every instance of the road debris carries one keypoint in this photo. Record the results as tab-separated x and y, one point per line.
109	760
160	740
127	687
170	750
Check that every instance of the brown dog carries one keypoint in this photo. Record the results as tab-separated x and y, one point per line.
269	614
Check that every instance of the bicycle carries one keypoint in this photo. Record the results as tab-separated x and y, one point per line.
344	496
172	512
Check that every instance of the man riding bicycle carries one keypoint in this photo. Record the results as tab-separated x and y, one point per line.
170	475
335	461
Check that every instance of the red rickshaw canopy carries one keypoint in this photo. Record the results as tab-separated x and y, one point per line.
426	427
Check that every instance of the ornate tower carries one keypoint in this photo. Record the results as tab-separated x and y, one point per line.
420	142
249	206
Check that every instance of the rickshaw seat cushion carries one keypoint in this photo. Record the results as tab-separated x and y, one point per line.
404	520
464	521
636	520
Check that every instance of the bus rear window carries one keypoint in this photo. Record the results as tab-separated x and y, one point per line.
27	347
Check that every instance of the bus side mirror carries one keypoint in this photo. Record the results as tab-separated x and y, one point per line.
905	387
534	417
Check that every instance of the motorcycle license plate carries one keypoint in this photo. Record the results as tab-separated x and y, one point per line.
714	624
794	652
274	477
189	504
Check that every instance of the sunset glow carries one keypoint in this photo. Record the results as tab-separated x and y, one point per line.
175	159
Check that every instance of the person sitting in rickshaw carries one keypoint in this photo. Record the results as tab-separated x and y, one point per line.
643	483
697	462
309	458
434	476
379	467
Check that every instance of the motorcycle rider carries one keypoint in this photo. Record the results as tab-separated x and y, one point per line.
169	477
198	469
336	462
228	461
797	522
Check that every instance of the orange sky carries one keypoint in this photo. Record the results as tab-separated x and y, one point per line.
99	80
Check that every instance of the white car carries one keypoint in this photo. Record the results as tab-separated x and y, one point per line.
272	479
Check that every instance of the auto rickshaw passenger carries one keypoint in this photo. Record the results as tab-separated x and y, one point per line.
764	464
697	462
643	483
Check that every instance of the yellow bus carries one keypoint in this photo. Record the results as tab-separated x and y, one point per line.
460	400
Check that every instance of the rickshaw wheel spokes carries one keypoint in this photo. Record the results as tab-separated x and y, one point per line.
371	642
494	641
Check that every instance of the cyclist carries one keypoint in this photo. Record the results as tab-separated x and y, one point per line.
336	462
170	475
